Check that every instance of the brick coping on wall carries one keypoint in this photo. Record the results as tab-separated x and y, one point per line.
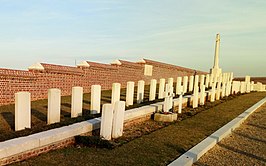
42	76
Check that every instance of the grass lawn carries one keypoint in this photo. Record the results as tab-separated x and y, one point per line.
156	148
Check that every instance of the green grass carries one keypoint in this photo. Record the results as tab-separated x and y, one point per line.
159	147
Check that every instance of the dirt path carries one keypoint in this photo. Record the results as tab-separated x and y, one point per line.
245	146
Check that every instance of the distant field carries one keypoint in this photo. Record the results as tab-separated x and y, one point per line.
255	79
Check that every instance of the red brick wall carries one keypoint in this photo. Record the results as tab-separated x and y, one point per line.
37	82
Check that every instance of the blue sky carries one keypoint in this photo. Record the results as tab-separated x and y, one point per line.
180	32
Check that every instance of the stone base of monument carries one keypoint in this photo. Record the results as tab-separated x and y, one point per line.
163	117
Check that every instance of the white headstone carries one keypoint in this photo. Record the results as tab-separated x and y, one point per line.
213	92
180	104
170	82
191	83
207	80
95	99
252	86
130	93
196	81
179	86
218	92
115	93
54	105
211	79
118	119
196	96
76	102
140	91
243	87
152	90
202	78
202	95
247	79
22	110
161	88
106	122
168	100
228	88
223	89
185	81
248	87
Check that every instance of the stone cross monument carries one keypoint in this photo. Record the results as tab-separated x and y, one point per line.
216	70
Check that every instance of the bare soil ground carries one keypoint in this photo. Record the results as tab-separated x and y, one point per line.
153	143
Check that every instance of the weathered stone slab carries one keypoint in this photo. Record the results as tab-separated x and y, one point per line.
22	110
54	105
95	99
165	117
76	102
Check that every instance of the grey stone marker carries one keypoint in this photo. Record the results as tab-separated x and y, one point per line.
95	99
76	102
107	122
140	91
161	88
130	93
118	119
22	110
54	105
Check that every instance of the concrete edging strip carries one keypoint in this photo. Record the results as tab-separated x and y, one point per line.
201	148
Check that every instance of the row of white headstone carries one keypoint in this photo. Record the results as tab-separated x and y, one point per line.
166	91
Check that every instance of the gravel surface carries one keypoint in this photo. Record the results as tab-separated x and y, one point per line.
245	146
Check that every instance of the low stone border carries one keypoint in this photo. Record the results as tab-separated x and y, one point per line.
21	148
200	149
